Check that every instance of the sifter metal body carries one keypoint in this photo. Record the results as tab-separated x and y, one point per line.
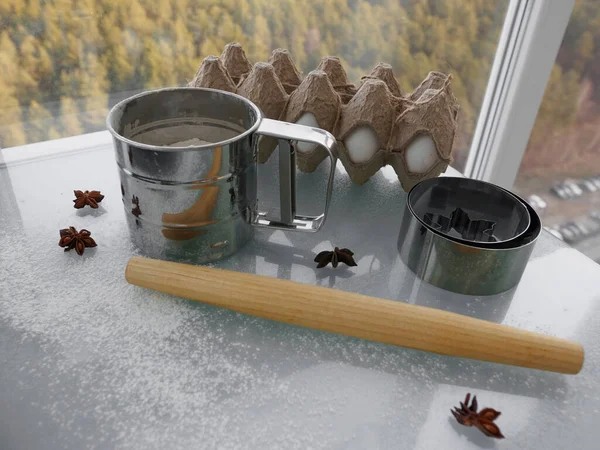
187	161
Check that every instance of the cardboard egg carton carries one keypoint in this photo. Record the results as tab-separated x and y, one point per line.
375	123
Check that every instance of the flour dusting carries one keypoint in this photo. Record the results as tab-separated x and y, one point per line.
106	365
190	143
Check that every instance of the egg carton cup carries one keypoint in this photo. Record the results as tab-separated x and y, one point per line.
375	123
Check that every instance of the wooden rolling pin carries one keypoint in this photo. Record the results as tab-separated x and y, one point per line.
391	322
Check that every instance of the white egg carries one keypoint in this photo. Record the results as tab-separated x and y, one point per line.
421	154
361	144
309	120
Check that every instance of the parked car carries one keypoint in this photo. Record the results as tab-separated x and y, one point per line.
537	203
578	227
567	234
595	215
588	186
572	232
573	188
582	228
560	191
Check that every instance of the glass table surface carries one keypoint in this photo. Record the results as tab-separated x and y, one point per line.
89	361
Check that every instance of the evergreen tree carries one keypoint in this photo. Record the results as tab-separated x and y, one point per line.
11	125
69	115
39	121
584	48
9	60
33	9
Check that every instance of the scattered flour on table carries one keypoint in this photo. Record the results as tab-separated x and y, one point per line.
189	143
161	372
153	372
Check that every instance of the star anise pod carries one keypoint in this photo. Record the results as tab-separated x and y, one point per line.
136	211
91	198
335	257
484	420
71	239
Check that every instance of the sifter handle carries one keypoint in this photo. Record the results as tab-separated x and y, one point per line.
288	134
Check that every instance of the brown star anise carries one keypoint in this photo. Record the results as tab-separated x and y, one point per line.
136	211
484	420
336	256
71	239
91	198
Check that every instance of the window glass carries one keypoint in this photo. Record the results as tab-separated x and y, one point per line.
65	62
560	171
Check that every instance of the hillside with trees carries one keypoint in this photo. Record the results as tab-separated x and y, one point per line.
65	62
566	136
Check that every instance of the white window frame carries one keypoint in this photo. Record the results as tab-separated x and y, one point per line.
54	147
527	49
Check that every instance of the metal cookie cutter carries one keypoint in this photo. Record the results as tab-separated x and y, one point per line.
467	236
